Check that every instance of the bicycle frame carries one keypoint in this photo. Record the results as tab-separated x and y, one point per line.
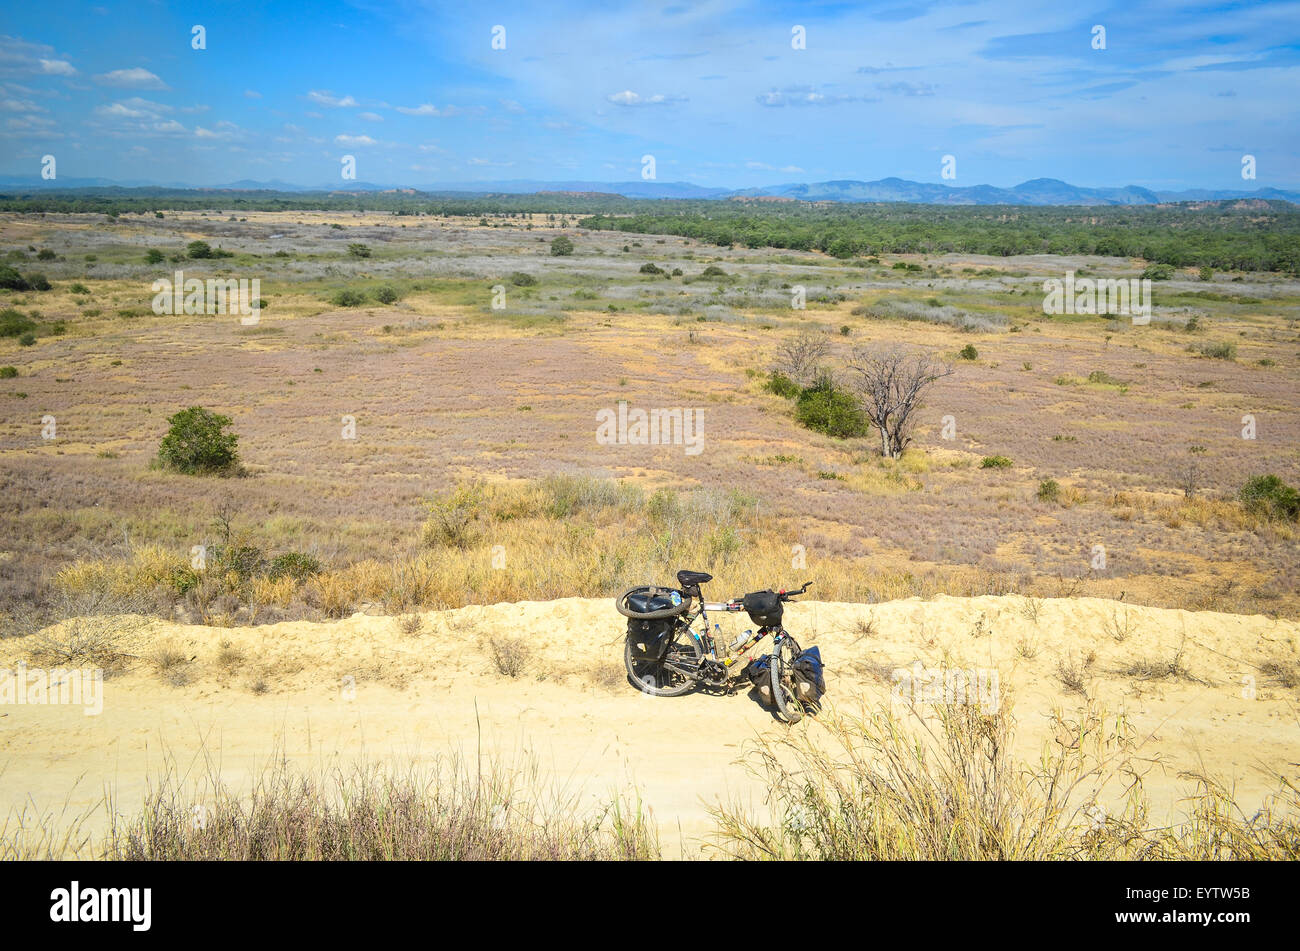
707	642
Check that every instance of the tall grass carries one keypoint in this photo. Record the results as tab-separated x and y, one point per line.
946	786
452	811
562	536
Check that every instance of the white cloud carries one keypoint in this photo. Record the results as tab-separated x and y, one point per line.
57	67
252	94
511	106
19	57
370	116
629	98
427	109
133	108
325	98
354	140
19	105
135	77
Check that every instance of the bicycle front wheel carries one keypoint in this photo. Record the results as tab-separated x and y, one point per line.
784	691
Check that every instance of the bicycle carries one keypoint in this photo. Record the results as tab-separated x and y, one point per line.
666	656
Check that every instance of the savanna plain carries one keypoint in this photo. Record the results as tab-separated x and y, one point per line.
389	630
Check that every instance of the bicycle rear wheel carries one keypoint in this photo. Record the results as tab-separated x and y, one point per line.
788	705
655	677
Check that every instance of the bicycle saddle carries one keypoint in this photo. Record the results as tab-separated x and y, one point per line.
691	581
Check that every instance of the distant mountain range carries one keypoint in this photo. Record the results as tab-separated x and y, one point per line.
1039	191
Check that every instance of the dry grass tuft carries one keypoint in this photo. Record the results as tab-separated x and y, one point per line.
1072	671
412	625
512	655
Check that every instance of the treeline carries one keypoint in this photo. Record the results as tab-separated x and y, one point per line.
1226	235
121	201
1265	237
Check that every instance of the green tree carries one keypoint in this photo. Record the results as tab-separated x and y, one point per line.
1269	496
561	246
154	256
826	408
197	442
199	249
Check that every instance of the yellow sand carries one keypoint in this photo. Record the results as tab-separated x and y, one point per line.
362	688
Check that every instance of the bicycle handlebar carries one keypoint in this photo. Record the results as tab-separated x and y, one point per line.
787	595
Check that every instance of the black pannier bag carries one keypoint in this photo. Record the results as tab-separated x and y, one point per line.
759	672
809	678
650	637
764	607
652	613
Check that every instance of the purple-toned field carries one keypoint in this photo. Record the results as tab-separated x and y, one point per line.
444	389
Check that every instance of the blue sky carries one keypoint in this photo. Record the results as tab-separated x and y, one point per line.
713	90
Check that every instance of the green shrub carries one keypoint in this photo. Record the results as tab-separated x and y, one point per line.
76	287
825	408
38	282
293	564
561	246
1158	272
713	271
244	560
8	373
385	294
649	268
27	340
1207	273
14	324
198	249
452	517
359	250
197	442
45	254
968	352
1269	496
183	579
1219	351
349	298
154	256
1049	490
522	279
995	462
11	280
782	385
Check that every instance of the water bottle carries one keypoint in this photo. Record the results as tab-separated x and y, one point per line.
740	641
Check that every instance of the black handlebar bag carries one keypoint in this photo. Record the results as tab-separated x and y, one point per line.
764	607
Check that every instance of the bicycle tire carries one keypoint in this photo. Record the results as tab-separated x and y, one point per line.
648	677
788	706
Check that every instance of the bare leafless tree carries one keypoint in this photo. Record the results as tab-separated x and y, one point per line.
801	357
888	382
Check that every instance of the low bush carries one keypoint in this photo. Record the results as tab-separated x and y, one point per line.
827	408
1270	497
197	442
782	385
348	297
